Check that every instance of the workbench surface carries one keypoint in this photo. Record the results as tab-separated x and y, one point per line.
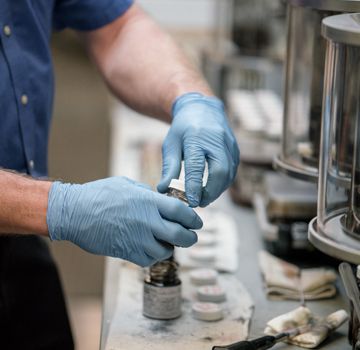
248	273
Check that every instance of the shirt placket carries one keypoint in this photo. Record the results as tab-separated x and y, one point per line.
19	85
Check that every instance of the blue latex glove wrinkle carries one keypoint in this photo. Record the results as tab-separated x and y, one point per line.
121	218
200	132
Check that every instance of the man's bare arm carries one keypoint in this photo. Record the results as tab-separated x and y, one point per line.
142	64
23	204
145	69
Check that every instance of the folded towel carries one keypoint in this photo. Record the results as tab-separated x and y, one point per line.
287	281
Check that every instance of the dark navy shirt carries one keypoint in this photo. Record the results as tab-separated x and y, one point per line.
26	72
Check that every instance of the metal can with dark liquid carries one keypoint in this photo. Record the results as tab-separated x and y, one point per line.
162	297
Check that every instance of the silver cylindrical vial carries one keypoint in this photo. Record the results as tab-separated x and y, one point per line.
162	303
162	287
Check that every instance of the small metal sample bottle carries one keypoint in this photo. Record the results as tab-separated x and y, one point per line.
162	286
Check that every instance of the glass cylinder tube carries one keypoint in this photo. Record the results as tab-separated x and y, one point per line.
337	228
304	74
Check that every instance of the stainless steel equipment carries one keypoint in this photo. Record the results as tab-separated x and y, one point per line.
351	284
249	46
336	229
258	27
304	74
249	68
256	116
283	209
232	71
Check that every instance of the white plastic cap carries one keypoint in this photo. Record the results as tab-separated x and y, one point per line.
206	239
177	184
203	254
207	311
201	277
211	294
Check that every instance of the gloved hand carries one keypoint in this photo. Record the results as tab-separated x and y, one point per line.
121	218
199	132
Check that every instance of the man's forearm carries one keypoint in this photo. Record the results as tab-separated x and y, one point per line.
23	204
142	64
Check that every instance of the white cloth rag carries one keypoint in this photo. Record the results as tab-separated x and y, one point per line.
302	316
287	281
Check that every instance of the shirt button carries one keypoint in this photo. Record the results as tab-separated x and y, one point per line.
31	164
7	30
24	100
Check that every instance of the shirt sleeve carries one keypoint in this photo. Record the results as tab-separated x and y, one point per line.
87	14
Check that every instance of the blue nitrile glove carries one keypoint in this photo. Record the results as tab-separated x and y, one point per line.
199	132
121	218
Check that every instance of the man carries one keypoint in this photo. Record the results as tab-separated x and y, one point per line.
116	216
